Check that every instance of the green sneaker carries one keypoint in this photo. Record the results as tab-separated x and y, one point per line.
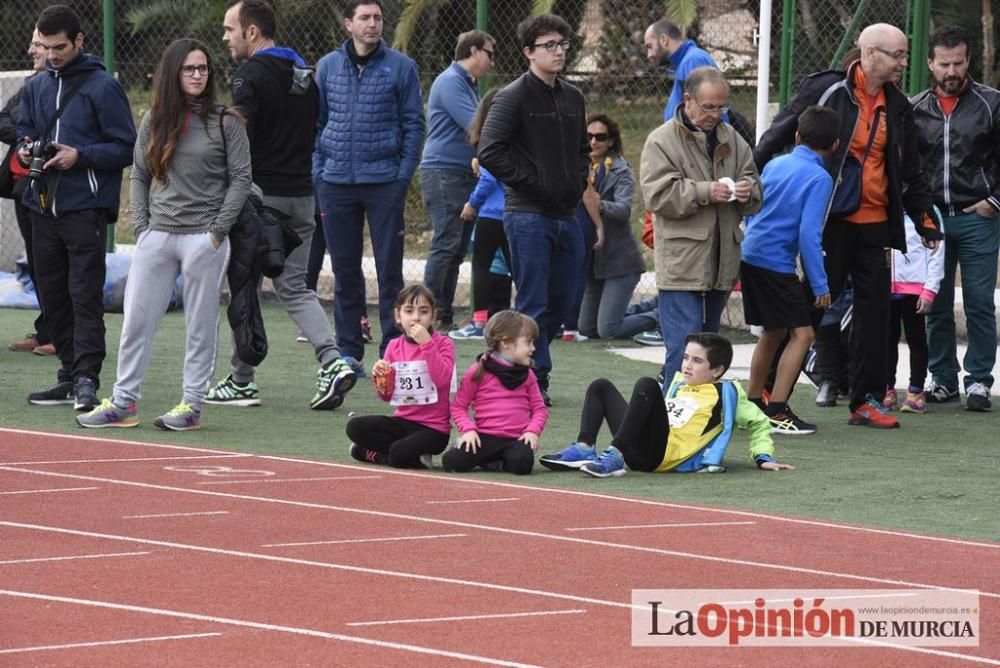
230	393
333	381
182	417
107	414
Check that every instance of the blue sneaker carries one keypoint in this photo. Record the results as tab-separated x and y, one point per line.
570	458
471	332
356	366
609	464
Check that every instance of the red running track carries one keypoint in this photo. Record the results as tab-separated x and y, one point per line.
123	553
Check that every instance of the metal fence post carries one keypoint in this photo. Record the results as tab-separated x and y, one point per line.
850	33
482	23
787	49
109	64
918	45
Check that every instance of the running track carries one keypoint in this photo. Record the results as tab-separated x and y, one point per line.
123	553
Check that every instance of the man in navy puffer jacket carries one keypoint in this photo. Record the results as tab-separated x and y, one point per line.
369	131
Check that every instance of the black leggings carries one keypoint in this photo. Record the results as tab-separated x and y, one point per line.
515	456
400	441
903	311
640	427
489	237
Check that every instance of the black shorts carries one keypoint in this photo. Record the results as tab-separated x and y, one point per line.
774	300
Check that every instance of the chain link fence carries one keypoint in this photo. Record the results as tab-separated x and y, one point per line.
607	58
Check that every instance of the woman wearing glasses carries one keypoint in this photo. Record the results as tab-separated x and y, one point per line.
190	178
616	264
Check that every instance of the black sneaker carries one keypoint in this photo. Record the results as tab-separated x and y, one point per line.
789	424
60	395
363	454
941	394
977	398
85	394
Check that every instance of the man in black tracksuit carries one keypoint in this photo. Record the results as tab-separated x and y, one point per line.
873	111
958	124
534	141
75	199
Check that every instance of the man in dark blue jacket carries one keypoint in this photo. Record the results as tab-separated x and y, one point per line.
74	198
369	131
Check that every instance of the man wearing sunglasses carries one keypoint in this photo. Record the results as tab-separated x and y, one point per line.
446	176
878	131
534	141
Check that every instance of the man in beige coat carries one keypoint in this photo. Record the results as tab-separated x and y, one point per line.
699	180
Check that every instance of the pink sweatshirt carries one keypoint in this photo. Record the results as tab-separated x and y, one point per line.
499	411
439	353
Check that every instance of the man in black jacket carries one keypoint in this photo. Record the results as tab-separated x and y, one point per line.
873	111
534	141
37	341
274	90
958	124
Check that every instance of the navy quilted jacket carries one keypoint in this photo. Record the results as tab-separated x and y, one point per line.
371	124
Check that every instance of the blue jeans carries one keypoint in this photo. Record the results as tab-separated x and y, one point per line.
344	208
603	313
971	241
546	253
683	313
445	193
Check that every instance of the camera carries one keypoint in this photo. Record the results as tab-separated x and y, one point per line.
41	152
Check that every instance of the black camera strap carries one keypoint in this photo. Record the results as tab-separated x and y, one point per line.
70	92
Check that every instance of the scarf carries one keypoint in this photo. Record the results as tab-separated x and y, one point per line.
511	376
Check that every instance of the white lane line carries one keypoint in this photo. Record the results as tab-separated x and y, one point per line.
99	643
660	526
508	531
49	491
510	498
268	627
114	460
143	517
465	618
522	487
365	540
76	556
256	480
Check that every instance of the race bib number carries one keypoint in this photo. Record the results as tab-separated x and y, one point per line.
680	410
413	384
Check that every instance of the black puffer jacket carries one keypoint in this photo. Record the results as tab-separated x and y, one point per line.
907	187
961	154
257	242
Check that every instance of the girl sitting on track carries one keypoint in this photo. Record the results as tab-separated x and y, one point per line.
416	376
500	387
686	431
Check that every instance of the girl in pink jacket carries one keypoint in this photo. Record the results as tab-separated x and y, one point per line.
415	376
501	389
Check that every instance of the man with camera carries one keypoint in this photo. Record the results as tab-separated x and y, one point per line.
77	134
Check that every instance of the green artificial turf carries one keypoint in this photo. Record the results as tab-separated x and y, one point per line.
937	474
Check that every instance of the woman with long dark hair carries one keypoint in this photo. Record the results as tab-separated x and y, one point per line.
190	179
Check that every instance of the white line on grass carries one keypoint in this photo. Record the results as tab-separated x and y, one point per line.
366	540
660	526
510	498
508	531
145	517
49	491
269	627
76	556
99	643
115	460
465	618
524	486
256	480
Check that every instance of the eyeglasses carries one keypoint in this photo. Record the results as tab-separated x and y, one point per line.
552	46
488	53
721	109
597	136
191	70
895	55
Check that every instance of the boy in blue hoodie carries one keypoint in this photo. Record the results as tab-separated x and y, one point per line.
797	189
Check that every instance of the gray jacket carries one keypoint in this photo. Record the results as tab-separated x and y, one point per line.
620	254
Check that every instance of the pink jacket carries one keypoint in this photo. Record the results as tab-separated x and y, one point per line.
498	411
439	353
917	272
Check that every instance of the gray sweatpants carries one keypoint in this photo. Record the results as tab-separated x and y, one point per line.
159	258
299	302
